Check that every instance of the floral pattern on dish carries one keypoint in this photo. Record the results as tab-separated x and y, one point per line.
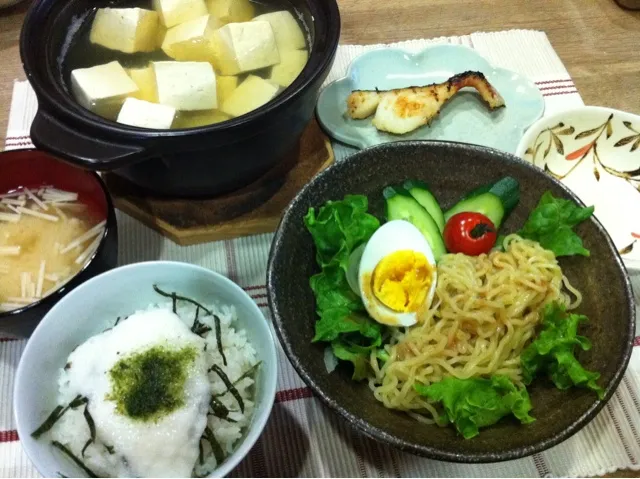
596	152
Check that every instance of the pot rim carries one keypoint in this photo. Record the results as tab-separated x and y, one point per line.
69	111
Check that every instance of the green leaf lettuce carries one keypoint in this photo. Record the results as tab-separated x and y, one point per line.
551	224
337	228
473	403
552	352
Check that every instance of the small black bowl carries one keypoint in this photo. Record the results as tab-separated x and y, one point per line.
451	170
33	168
194	162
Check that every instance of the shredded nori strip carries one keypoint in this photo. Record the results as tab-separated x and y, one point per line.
199	328
248	373
220	410
71	456
56	414
60	474
117	321
86	445
198	306
215	445
174	302
230	387
110	449
92	428
216	320
181	298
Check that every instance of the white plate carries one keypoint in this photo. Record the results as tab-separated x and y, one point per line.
595	151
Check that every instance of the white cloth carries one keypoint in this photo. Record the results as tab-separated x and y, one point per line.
303	438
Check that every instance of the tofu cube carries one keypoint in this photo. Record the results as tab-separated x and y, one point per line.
186	85
144	114
289	35
192	40
225	86
145	78
175	12
194	119
231	11
128	30
162	31
101	87
291	64
244	47
252	93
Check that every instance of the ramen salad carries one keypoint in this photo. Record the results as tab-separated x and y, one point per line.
165	392
445	318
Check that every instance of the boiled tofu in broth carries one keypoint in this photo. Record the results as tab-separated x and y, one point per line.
186	86
245	47
192	40
175	12
232	11
162	64
288	34
291	64
251	94
144	114
145	79
138	29
103	87
225	86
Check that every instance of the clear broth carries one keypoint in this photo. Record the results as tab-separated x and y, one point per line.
81	53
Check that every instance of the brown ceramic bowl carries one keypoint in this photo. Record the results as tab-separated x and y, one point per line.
451	169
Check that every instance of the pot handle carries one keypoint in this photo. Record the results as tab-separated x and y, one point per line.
86	152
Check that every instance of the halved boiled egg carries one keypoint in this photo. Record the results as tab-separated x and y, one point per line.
397	274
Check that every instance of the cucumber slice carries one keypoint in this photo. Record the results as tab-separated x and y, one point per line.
487	204
420	191
402	206
507	189
483	200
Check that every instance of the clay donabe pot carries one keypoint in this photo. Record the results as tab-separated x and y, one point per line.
199	161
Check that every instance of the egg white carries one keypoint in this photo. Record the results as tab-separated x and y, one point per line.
396	235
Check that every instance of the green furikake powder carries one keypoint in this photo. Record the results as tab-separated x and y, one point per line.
150	384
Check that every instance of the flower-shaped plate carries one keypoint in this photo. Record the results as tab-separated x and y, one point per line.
595	151
464	118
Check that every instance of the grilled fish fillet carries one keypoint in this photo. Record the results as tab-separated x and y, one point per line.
406	109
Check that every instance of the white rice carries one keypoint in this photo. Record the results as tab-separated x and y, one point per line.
72	429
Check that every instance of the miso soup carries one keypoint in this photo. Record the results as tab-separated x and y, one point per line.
46	237
165	64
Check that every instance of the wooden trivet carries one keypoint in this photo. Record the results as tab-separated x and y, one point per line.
254	209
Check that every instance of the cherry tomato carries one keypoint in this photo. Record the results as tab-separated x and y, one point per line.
469	233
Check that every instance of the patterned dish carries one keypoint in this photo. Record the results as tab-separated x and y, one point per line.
465	118
595	151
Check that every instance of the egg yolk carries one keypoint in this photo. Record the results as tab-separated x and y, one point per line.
402	280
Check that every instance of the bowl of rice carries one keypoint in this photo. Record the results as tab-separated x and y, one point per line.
156	369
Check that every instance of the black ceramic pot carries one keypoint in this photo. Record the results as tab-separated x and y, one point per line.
201	161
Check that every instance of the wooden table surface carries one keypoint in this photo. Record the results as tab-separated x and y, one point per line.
597	41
